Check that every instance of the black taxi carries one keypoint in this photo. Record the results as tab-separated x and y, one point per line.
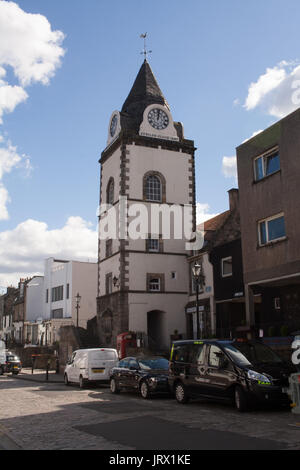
240	371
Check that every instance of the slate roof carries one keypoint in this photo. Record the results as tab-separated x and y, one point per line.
145	91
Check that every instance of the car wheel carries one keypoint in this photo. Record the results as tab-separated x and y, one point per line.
180	393
66	380
114	386
144	389
240	399
15	373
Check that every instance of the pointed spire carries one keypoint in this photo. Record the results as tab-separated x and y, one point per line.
145	91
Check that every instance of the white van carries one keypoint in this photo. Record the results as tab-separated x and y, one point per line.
90	365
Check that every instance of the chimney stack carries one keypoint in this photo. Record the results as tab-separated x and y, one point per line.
233	199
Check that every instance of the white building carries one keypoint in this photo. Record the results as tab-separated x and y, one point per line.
51	299
63	280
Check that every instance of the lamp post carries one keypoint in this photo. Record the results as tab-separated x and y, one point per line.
200	281
78	299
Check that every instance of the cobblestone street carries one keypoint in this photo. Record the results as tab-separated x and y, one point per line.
50	416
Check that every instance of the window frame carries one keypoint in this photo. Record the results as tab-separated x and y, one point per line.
151	239
108	283
151	281
270	153
223	275
153	189
266	221
110	193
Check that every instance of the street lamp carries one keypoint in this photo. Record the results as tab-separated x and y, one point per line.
78	299
200	281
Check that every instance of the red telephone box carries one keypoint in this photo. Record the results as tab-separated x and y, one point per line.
124	341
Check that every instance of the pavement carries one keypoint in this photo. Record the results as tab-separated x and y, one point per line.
39	375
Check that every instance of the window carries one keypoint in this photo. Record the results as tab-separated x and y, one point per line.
226	266
133	363
153	188
153	245
197	354
214	356
110	192
108	283
154	284
266	165
173	275
277	303
271	229
47	296
57	293
68	291
190	353
124	364
58	313
108	248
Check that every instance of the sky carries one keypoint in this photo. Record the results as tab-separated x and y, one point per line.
227	69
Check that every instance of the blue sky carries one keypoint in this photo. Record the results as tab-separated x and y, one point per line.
205	57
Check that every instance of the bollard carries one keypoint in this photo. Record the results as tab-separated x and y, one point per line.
47	370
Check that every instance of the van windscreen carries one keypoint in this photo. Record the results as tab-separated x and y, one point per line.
104	355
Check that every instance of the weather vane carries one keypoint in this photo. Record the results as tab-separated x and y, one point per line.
145	52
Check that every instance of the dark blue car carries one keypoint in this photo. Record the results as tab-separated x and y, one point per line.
147	375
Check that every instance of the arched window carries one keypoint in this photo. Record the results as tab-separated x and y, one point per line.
154	187
110	192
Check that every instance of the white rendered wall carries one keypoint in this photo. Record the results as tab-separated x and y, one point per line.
57	274
34	299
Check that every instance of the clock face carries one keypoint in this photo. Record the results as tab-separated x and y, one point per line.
113	125
158	119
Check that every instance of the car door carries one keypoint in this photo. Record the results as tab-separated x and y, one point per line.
71	366
122	372
220	374
77	365
132	376
196	379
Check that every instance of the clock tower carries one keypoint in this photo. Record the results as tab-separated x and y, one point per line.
147	168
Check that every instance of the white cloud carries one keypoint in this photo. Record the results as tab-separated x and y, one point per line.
277	91
4	199
28	44
203	213
10	159
229	167
30	47
24	249
10	97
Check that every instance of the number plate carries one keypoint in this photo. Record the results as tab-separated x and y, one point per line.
98	371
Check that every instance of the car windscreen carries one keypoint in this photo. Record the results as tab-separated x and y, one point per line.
154	364
252	353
